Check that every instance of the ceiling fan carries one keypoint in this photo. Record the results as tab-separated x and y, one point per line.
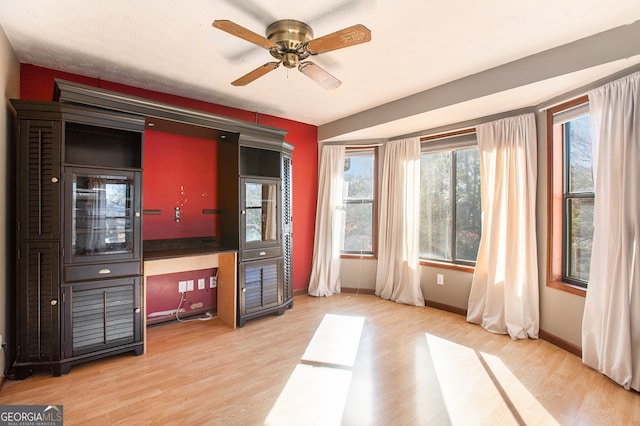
291	42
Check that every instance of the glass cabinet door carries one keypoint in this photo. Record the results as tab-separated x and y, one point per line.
102	220
260	212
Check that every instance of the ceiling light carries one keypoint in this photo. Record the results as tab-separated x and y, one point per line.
319	75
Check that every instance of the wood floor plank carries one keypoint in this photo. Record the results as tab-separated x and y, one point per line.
413	366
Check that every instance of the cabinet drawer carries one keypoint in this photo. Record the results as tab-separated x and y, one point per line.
261	253
101	270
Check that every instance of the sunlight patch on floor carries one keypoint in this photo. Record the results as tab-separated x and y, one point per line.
317	390
313	395
531	410
480	389
335	341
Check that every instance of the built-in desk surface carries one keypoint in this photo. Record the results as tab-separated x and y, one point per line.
160	262
185	252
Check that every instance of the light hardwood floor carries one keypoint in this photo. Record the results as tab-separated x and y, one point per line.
413	366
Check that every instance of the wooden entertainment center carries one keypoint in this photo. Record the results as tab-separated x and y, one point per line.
82	266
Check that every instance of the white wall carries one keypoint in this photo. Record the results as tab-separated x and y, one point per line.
453	292
358	274
361	274
10	88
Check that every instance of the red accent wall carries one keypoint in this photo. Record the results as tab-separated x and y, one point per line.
163	297
305	193
179	171
36	83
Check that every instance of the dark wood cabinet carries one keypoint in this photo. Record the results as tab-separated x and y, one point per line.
39	175
255	200
287	227
102	316
101	217
260	286
79	261
38	303
79	269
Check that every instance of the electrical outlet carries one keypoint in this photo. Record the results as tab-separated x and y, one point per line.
182	286
440	279
213	282
190	285
200	283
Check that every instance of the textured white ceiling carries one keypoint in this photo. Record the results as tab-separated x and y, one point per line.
170	46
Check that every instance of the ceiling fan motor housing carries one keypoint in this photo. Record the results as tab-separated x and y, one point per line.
290	37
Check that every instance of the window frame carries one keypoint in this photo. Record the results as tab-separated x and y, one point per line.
567	197
439	143
357	254
556	202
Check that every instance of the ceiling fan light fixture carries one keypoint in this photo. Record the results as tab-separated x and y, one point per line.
290	60
319	75
290	42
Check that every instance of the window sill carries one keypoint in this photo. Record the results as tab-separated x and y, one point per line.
569	288
445	265
358	256
434	264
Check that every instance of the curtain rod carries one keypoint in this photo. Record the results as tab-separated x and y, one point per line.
467	125
568	105
584	90
355	144
577	98
448	134
440	135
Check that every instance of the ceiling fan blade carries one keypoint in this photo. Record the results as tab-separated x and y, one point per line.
319	75
256	74
240	31
351	36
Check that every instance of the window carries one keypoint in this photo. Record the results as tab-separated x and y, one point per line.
358	196
450	218
571	195
578	200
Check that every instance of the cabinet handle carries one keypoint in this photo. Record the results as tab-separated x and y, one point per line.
137	214
244	290
262	253
54	179
104	271
54	302
137	310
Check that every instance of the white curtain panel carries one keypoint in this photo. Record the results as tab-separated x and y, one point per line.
325	272
611	323
504	291
398	271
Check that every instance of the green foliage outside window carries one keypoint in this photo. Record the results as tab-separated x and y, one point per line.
579	197
357	195
450	222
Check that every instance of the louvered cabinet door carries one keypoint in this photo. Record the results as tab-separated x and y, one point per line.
260	286
287	228
287	254
102	315
38	312
39	180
